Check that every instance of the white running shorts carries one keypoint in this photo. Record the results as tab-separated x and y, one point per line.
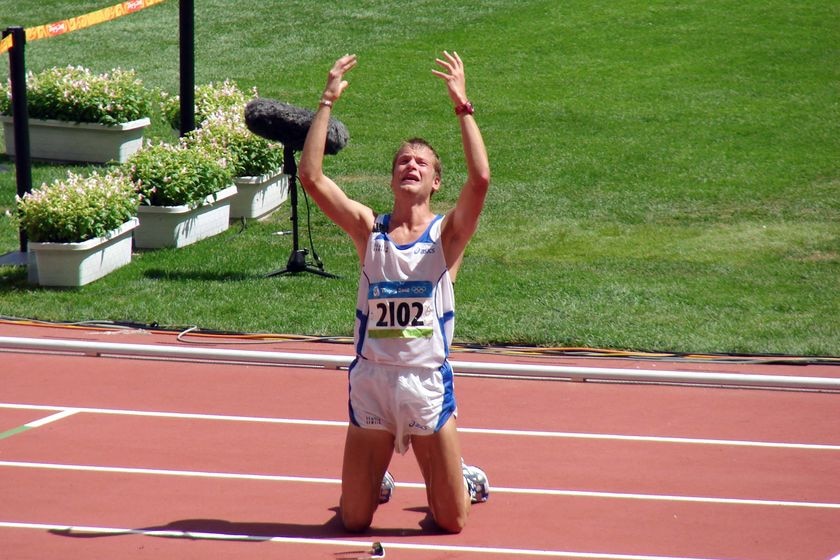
403	401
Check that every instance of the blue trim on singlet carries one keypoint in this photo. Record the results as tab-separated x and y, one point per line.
443	319
363	319
448	316
382	223
449	405
349	387
426	237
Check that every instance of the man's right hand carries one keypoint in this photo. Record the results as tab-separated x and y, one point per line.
336	84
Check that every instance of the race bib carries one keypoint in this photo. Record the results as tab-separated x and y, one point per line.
401	310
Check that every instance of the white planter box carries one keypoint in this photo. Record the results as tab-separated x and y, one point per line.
179	226
77	264
83	142
258	196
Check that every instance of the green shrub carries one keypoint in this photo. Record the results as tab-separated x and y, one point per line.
175	175
77	208
74	93
209	98
224	134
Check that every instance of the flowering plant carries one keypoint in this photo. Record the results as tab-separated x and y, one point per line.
209	98
77	208
176	174
74	93
225	135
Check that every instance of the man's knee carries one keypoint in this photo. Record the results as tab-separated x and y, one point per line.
354	518
451	523
355	522
450	512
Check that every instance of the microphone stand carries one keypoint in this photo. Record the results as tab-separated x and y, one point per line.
297	260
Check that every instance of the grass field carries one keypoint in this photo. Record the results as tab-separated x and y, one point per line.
665	174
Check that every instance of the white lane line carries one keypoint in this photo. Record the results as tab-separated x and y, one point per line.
53	418
167	472
38	423
486	431
416	485
72	530
653	439
182	415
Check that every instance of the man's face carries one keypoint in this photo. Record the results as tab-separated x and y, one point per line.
414	170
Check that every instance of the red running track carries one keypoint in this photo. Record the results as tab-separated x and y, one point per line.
177	460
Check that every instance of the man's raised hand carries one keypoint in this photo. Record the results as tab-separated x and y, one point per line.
336	84
456	82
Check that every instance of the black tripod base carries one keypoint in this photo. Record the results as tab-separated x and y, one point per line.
297	260
297	263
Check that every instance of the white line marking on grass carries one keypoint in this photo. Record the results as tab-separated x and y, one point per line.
417	485
483	431
72	530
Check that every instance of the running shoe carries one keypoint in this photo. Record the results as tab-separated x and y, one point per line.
386	488
477	483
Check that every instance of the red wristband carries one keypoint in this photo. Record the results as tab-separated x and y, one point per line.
465	108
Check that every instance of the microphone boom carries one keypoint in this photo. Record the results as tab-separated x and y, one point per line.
289	124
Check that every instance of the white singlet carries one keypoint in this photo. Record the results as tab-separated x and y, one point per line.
401	380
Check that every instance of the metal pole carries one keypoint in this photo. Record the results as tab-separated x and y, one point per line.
187	60
20	116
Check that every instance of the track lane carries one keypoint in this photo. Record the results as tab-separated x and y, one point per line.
597	525
747	414
271	509
719	471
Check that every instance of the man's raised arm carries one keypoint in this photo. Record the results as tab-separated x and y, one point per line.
354	218
462	221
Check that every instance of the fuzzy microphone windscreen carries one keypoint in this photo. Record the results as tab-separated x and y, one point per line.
288	124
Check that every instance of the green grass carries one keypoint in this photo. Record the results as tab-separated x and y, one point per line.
665	174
